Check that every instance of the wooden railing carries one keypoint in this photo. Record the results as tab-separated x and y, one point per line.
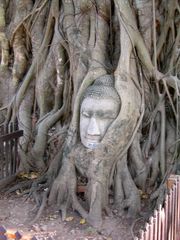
165	223
9	135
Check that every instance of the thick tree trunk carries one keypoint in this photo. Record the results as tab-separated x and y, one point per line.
53	51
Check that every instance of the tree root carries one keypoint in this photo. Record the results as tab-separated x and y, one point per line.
68	51
42	207
126	194
20	186
4	43
7	181
141	169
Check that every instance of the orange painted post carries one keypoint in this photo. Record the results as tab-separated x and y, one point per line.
7	235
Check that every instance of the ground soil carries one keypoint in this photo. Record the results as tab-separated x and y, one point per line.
15	214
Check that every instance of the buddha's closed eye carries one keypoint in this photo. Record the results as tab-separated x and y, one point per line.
85	114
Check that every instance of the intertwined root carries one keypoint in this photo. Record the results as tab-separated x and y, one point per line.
57	57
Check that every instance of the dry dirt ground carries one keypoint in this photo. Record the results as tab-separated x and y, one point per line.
15	215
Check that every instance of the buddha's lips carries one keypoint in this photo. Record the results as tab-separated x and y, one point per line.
93	139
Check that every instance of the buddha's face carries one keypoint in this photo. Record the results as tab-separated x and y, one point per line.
96	115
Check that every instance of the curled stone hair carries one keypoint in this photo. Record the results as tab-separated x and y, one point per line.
102	88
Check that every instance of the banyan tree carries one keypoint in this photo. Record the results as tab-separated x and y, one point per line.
94	85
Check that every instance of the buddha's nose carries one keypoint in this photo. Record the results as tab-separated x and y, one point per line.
93	128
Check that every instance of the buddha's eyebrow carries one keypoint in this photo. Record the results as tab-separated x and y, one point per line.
86	111
109	113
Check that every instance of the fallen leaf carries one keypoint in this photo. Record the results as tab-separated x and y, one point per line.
18	192
82	221
31	175
143	195
52	217
69	219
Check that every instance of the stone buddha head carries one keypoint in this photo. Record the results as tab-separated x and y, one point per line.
100	106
